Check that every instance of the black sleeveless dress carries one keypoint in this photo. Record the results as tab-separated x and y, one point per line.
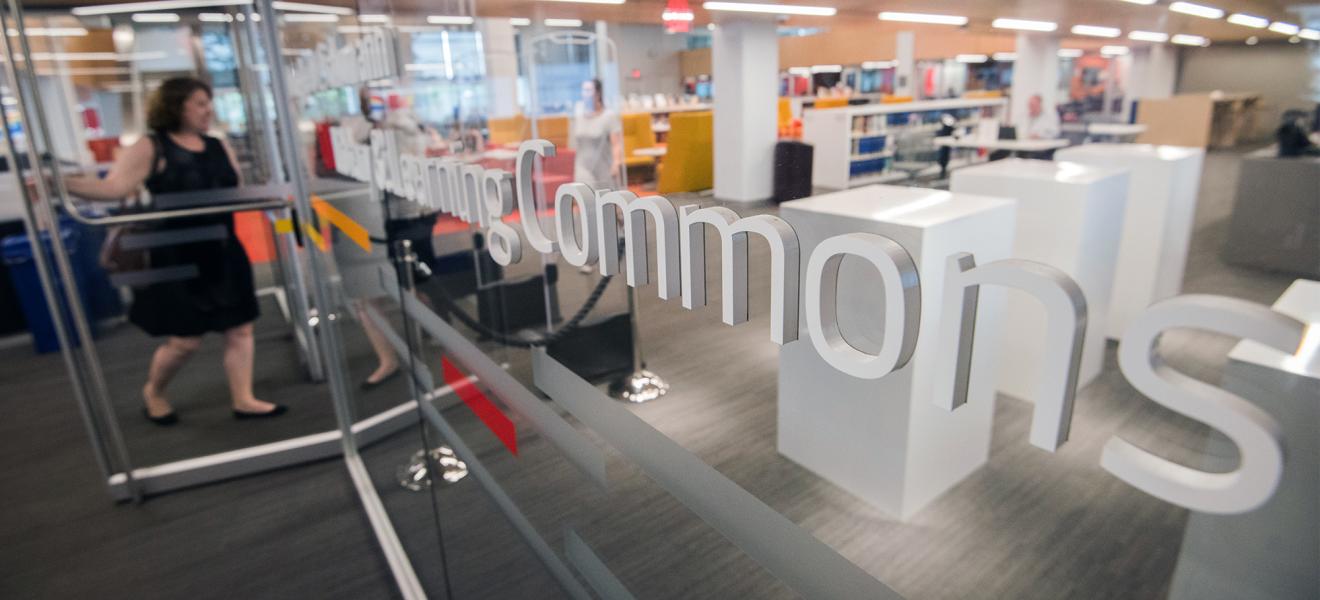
222	296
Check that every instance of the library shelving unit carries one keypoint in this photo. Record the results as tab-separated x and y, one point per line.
855	145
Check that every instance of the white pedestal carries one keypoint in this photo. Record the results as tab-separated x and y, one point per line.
1069	216
1158	223
882	439
1272	552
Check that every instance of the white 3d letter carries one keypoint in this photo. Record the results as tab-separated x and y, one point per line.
577	252
902	318
784	265
1065	317
527	152
635	239
1255	433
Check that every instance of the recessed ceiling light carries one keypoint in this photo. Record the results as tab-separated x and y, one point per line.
1069	53
1294	39
1189	40
1096	31
310	18
971	58
563	22
1253	40
1024	25
155	18
590	1
449	20
50	32
1148	36
1113	50
1004	56
209	17
1309	34
1196	10
520	21
1248	20
1284	28
311	8
908	17
116	9
774	9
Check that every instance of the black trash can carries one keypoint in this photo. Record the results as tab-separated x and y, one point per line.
792	171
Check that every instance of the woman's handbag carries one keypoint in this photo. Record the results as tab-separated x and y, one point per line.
114	257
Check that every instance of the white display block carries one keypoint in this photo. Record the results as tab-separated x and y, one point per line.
1069	216
883	439
1272	552
1157	227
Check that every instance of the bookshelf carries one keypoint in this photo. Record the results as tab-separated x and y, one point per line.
855	145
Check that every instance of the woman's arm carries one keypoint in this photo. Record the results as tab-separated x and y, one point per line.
125	177
233	159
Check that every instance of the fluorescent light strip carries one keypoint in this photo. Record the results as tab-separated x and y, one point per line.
1113	50
1004	56
311	8
449	20
826	68
125	57
1196	10
1284	28
971	58
1096	31
676	16
373	18
358	29
799	71
879	64
590	1
155	17
50	32
132	7
1189	40
1141	2
1069	53
1024	25
563	22
1309	34
310	18
774	9
907	17
520	21
215	17
1148	36
1251	21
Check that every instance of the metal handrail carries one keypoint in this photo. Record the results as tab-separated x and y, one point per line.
185	198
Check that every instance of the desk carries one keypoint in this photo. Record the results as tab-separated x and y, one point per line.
1014	146
653	152
1115	130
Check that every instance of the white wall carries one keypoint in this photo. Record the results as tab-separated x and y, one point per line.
649	48
1286	75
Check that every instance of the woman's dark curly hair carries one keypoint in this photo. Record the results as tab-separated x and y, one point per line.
165	112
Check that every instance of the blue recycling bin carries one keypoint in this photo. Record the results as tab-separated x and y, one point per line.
103	301
18	256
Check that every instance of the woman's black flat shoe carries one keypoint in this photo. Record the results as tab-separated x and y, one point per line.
371	385
274	412
164	420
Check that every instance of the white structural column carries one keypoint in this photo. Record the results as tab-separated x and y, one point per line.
1153	74
1035	71
745	61
501	65
905	52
